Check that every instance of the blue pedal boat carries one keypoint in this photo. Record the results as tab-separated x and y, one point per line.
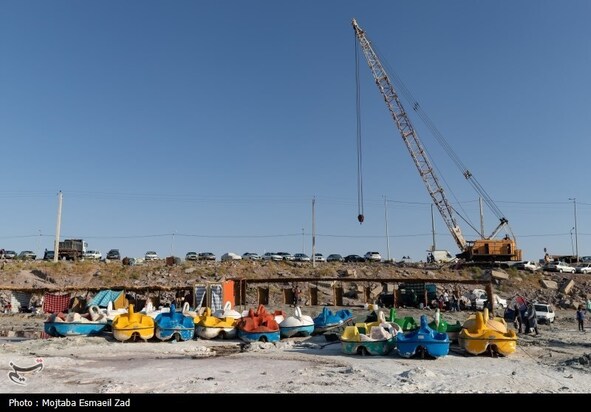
327	320
72	326
174	325
423	341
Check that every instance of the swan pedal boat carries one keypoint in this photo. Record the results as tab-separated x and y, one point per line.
133	325
482	334
370	338
296	325
174	324
259	326
406	323
73	324
211	327
440	325
424	340
327	320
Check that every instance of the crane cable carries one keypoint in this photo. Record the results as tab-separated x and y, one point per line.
360	216
446	146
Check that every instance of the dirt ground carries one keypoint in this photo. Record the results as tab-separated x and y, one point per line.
558	360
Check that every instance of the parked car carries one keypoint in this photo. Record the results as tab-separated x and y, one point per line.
479	299
230	256
191	256
9	254
319	257
335	257
354	258
206	256
272	256
27	255
301	257
150	256
544	313
251	256
92	254
559	267
286	255
113	254
373	257
583	268
529	265
48	255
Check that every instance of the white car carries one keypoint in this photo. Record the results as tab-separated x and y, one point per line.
529	265
583	268
319	257
206	256
544	313
479	297
9	254
272	256
373	257
301	257
560	267
92	254
250	256
150	255
191	256
286	255
230	256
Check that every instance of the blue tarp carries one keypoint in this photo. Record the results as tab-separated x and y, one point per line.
102	298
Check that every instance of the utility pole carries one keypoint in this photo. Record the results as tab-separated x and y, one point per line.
574	199
387	235
481	218
56	245
313	233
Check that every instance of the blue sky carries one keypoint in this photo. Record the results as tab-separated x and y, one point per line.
210	126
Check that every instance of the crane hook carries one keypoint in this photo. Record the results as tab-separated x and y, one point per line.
360	218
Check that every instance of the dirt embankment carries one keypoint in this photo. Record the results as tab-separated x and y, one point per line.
562	290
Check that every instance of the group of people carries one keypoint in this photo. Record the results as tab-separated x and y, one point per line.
448	301
526	319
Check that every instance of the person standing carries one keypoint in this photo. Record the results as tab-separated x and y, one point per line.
518	320
581	318
532	321
296	295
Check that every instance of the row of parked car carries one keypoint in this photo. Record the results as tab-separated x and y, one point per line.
285	256
24	255
555	266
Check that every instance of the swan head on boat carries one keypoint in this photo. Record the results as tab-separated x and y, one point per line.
187	310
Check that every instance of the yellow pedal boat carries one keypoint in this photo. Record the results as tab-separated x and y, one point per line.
132	325
496	323
211	327
481	334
